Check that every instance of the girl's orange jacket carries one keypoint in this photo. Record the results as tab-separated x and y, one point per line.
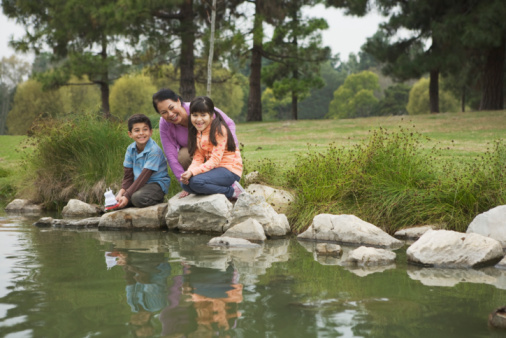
207	156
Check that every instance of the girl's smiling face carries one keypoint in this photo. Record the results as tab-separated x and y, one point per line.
173	112
201	120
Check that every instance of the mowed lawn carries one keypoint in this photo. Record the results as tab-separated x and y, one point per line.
466	134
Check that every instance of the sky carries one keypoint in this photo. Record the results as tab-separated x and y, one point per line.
346	34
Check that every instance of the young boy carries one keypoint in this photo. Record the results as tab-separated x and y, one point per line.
145	180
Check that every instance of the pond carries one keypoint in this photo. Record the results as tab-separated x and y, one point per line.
68	283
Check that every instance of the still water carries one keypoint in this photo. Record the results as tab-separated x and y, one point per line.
67	283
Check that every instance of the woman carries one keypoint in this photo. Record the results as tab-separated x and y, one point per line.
174	129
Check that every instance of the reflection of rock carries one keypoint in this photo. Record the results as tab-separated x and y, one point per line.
501	264
363	271
497	318
151	241
22	206
86	223
279	199
255	207
348	229
449	277
148	218
413	233
443	248
77	208
367	256
250	229
491	224
208	213
328	249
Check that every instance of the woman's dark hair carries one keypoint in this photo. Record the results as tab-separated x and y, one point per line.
203	104
165	94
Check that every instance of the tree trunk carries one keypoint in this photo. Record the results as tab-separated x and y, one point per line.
255	94
463	100
187	60
104	82
493	78
294	105
434	91
211	50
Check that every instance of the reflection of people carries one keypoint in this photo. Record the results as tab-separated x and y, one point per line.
216	295
174	124
145	179
217	165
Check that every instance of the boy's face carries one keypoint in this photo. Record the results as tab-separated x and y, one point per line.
140	134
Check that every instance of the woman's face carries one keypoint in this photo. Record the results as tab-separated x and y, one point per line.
173	112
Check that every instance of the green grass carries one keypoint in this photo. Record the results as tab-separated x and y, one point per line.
446	172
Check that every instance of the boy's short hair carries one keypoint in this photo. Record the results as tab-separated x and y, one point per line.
138	118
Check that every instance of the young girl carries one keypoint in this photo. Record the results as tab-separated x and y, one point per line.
217	165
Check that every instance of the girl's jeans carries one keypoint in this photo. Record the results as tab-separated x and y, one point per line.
215	181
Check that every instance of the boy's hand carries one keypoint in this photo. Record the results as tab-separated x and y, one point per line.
185	177
123	201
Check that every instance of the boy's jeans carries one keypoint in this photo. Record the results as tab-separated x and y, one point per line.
148	195
215	181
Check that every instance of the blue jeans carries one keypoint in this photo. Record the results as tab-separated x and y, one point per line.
215	181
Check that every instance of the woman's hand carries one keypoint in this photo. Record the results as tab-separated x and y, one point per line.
185	177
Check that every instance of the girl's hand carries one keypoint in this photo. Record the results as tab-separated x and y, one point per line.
185	177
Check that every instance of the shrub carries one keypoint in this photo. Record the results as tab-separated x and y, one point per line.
393	181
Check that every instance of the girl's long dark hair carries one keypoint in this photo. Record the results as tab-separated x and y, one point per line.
203	104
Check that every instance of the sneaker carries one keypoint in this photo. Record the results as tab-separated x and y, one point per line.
238	189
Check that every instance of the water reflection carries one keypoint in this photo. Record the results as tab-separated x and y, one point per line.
60	283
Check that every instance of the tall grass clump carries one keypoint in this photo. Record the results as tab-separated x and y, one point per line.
77	158
394	180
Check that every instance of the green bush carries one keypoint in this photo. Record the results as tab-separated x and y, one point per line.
77	158
393	181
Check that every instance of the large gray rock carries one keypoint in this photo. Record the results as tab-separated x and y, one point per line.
232	242
250	229
279	199
491	223
413	233
348	229
205	213
77	208
148	218
23	206
255	207
367	256
451	249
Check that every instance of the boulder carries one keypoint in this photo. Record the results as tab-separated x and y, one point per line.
206	213
250	229
348	229
148	218
491	223
77	208
86	223
328	249
413	233
255	207
279	199
451	249
252	177
232	242
367	256
44	222
24	207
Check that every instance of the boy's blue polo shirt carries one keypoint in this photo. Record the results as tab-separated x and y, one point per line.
151	158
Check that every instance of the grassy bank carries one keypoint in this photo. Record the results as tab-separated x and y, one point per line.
390	171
